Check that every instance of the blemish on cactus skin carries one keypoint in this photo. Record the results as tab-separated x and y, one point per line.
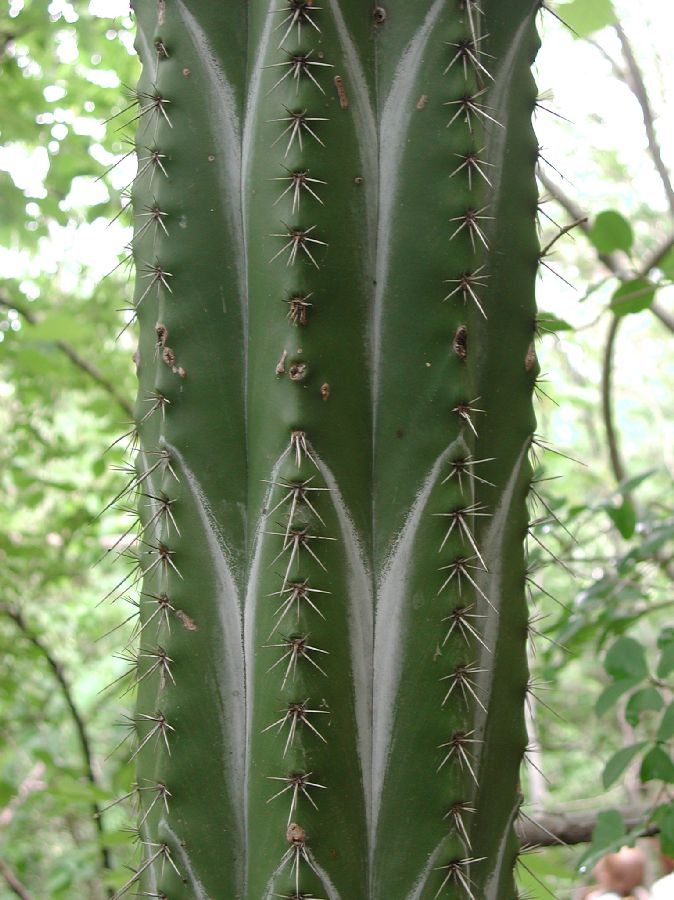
169	357
379	15
297	371
325	391
460	342
422	101
281	364
341	92
186	73
187	621
531	358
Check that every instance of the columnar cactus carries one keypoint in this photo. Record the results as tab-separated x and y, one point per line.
336	253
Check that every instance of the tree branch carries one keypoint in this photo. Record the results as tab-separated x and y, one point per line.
549	829
617	465
617	263
85	745
635	82
74	356
13	882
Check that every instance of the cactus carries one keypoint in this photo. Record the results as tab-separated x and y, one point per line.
336	251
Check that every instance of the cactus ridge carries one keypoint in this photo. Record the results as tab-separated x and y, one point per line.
331	640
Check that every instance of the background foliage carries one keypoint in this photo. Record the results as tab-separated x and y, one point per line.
602	720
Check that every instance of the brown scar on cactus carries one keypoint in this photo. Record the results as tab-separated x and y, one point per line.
341	92
531	359
281	364
186	621
297	371
460	342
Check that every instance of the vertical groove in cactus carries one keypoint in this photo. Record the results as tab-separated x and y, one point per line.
336	252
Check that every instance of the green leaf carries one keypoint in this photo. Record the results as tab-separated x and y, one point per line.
619	762
666	729
648	699
665	637
610	232
664	816
666	664
587	16
632	297
666	265
611	694
626	659
657	765
550	322
623	517
630	484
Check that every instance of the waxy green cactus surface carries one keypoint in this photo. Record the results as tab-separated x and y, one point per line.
336	252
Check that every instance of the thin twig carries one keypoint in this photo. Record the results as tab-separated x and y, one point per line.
13	882
547	829
562	231
616	263
74	356
636	84
617	465
85	745
619	266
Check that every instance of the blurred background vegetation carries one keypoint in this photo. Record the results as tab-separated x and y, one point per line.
601	717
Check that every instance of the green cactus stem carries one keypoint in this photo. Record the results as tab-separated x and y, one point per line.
336	252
